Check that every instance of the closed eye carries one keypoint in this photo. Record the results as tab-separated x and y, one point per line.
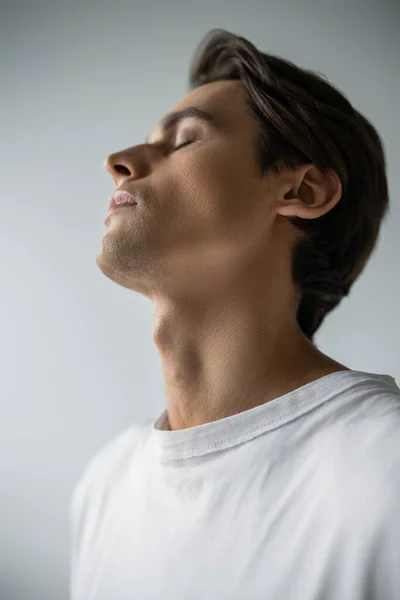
182	145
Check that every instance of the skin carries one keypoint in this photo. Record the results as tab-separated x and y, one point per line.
210	245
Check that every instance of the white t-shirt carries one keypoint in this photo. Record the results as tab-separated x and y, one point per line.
296	499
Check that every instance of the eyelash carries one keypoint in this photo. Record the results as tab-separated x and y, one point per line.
182	145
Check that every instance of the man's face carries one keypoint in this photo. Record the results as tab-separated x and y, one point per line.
204	210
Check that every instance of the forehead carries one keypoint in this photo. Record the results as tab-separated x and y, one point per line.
225	96
225	100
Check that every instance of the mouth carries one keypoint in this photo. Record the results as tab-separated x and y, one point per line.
121	199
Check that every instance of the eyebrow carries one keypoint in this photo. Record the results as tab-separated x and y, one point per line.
174	118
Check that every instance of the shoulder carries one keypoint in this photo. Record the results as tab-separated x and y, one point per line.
358	458
366	431
109	461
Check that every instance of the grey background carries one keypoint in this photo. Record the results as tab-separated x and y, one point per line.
82	80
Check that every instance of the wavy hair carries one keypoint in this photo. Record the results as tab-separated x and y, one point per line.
304	119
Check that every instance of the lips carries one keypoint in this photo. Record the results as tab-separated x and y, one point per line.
121	198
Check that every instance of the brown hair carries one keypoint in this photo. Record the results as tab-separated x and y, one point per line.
304	119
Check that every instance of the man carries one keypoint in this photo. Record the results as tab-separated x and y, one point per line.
274	472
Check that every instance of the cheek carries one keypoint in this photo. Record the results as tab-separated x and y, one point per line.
218	181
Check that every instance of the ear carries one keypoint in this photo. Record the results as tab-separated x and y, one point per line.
309	193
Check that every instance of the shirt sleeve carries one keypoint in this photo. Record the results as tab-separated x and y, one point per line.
76	516
79	515
382	518
383	573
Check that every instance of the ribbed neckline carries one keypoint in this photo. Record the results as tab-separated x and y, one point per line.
243	426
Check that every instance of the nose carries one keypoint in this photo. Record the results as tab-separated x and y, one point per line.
126	164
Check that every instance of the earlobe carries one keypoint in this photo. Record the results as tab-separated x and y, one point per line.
312	193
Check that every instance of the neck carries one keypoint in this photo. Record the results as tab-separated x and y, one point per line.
226	357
